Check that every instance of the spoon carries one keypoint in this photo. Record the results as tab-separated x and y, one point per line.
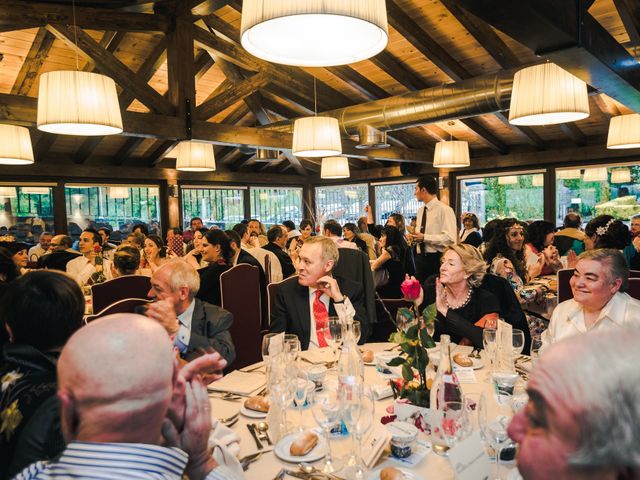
263	428
309	469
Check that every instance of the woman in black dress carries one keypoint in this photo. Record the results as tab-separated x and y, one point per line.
393	250
216	250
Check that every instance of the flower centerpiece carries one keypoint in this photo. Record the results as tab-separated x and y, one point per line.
98	276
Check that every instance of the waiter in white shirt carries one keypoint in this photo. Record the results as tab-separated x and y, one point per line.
435	228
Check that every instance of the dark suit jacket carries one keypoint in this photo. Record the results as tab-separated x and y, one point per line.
57	260
210	283
292	313
210	328
285	260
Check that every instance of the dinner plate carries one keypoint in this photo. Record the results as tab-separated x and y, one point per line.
247	412
477	363
408	474
282	450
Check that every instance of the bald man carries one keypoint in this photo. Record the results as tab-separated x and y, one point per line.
118	386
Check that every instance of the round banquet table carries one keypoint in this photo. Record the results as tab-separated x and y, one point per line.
433	466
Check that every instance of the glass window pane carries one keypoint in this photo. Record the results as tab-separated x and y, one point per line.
396	198
519	196
26	212
344	203
597	191
223	207
116	207
275	205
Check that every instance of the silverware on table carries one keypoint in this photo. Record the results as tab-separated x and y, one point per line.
280	475
252	430
232	423
249	459
229	419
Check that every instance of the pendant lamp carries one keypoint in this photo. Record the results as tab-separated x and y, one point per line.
507	180
334	167
598	174
15	145
316	137
195	157
568	174
621	175
119	192
451	154
36	190
624	131
537	180
8	192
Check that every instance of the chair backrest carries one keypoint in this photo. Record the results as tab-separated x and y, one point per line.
126	305
634	273
634	288
129	286
267	268
564	288
240	287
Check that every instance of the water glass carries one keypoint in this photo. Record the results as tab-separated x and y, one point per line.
291	346
455	423
518	342
302	387
333	334
326	411
536	345
493	429
489	341
358	408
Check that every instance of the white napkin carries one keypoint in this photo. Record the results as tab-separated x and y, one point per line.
228	460
223	436
239	382
381	391
318	355
504	353
373	444
465	374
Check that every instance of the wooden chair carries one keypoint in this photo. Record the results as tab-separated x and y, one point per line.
240	287
564	288
634	273
129	286
127	305
634	288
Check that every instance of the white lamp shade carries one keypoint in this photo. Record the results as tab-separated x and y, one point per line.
507	180
546	95
8	192
537	180
316	137
15	145
78	103
312	33
570	174
452	154
36	190
335	167
119	192
195	157
598	174
624	131
621	175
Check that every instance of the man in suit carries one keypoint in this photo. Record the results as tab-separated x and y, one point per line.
202	325
61	254
277	236
303	305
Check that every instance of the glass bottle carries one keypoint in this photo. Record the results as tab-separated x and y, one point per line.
445	387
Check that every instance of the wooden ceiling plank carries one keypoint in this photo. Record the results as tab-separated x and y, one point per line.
86	149
572	131
33	62
229	96
629	11
111	66
42	147
358	82
147	70
126	150
160	150
486	135
400	72
202	63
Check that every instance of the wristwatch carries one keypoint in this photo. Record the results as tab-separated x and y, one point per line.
344	297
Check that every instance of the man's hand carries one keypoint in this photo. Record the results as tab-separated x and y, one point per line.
163	312
329	285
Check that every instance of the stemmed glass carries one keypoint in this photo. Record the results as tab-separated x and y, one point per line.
333	335
517	342
355	329
536	345
301	389
267	353
357	412
455	422
325	407
403	323
489	339
291	346
282	388
493	429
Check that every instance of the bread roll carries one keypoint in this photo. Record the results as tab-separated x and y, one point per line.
367	356
303	444
463	360
257	403
391	473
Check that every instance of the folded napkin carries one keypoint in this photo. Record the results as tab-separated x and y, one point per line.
318	355
242	383
381	391
223	436
229	466
373	444
465	374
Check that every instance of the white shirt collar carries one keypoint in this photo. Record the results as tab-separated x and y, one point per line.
431	203
185	317
614	311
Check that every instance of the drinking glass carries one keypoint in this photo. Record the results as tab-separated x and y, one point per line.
282	388
493	428
489	339
291	346
355	330
301	390
333	334
266	354
455	422
325	407
358	408
536	345
518	342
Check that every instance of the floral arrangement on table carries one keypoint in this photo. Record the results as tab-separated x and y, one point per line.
98	276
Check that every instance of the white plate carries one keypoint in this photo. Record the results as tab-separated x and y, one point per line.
477	363
514	475
408	475
247	412
282	450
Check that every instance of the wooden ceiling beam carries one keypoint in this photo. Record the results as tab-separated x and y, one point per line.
629	11
147	70
36	56
227	50
231	95
572	131
359	82
606	105
127	149
202	64
160	149
400	72
180	67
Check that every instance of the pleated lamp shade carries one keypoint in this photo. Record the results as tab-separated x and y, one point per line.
569	174
335	167
598	174
195	157
36	190
312	33
78	103
8	192
621	175
15	145
537	180
119	192
624	131
546	95
507	180
316	137
451	154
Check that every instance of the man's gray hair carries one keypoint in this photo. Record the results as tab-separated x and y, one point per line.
329	248
183	275
617	266
596	379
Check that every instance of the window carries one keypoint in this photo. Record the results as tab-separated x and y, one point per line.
597	191
26	211
396	198
343	203
118	207
519	195
275	205
223	207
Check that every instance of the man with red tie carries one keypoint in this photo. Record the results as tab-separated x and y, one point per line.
304	303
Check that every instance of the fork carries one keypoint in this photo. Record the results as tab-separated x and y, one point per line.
229	419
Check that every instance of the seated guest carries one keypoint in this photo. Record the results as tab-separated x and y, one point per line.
332	229
41	247
247	241
582	421
38	330
202	325
470	231
391	259
126	261
365	236
8	269
303	306
61	254
541	255
488	232
135	239
277	236
121	401
570	237
194	255
351	234
155	253
598	284
604	231
140	228
292	231
634	226
306	229
85	269
108	249
464	309
217	253
18	252
256	231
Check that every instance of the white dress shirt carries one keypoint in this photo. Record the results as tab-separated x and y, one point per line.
343	310
36	250
568	318
184	332
441	230
81	269
342	243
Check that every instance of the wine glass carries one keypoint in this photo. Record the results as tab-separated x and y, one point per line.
489	339
267	353
358	408
333	334
355	330
517	342
325	407
282	389
301	390
291	345
536	345
493	428
455	422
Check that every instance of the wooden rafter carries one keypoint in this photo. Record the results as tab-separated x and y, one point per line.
629	11
33	61
154	60
127	149
231	95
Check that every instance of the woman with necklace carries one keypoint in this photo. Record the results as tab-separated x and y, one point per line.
464	309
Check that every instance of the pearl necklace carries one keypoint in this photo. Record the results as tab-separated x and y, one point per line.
464	303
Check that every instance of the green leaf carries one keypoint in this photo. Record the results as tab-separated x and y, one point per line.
406	347
396	337
407	372
429	314
394	362
426	339
422	360
412	332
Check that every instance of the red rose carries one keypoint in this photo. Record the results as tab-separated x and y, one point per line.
97	248
410	289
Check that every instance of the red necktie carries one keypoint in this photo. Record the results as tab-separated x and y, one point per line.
322	316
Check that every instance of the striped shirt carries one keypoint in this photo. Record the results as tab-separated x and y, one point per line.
114	461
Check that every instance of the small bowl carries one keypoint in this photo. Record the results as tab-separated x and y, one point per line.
316	374
504	382
403	437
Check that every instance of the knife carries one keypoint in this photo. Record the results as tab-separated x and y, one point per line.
252	430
